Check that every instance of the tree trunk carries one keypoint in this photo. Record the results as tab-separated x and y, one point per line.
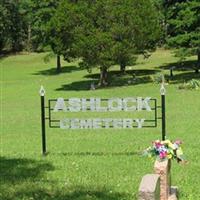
29	39
1	45
171	72
198	62
103	77
16	45
122	68
58	67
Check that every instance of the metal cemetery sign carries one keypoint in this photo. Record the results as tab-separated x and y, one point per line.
98	105
129	113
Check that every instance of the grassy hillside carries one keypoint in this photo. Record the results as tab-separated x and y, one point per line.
90	164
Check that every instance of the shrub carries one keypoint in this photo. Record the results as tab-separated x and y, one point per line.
190	85
157	78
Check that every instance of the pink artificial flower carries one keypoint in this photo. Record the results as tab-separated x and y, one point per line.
157	144
163	154
178	142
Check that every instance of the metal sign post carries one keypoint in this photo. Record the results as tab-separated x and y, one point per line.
42	94
163	92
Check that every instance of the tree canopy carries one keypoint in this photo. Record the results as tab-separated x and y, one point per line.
11	25
184	28
105	33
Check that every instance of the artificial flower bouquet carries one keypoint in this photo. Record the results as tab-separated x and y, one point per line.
166	149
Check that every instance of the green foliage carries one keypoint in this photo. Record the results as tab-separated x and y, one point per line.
3	26
24	23
183	27
190	85
104	33
11	25
157	78
39	15
49	56
101	33
182	53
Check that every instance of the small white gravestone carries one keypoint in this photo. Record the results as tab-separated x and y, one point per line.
92	86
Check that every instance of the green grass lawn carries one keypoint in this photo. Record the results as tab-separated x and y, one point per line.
90	164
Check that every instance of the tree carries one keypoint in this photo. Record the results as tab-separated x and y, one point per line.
131	30
38	26
60	32
183	28
11	25
94	40
24	25
105	33
4	23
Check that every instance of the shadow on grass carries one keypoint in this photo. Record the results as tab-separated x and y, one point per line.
52	71
77	85
180	66
97	153
183	77
24	179
115	79
17	169
182	71
77	193
7	53
138	72
86	84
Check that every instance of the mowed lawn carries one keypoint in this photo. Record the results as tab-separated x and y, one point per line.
103	164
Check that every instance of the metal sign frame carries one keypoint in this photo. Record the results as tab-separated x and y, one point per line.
50	120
